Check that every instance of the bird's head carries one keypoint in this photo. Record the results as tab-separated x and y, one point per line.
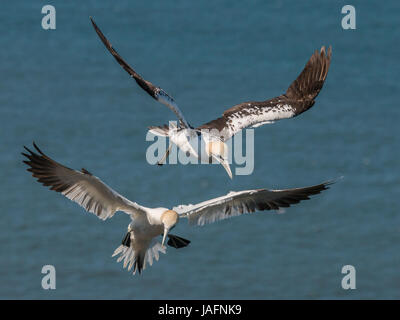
218	148
169	219
219	151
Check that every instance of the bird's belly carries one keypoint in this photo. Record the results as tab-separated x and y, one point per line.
201	144
146	230
186	141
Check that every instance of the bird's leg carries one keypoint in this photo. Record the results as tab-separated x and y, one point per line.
164	158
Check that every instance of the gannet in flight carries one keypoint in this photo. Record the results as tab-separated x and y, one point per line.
299	97
141	243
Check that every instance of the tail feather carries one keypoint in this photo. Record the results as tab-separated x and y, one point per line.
135	256
139	262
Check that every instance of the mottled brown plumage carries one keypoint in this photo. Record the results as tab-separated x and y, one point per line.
154	91
299	97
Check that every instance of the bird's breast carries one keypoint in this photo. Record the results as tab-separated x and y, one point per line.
146	230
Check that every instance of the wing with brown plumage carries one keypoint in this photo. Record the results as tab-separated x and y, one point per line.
299	97
156	92
310	81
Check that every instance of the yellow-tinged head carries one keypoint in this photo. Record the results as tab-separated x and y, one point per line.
218	148
169	219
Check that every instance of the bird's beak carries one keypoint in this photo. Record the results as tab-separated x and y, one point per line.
164	236
225	164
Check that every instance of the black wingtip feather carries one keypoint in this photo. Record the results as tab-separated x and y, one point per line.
83	170
27	149
127	240
177	242
37	148
44	169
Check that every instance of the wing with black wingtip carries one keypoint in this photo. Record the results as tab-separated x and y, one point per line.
79	186
156	92
299	97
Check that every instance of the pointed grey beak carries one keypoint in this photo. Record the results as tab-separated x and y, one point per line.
164	236
225	164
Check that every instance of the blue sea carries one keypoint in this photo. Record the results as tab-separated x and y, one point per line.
63	90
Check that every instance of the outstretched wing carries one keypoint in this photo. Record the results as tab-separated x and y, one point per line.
241	202
156	92
79	186
299	97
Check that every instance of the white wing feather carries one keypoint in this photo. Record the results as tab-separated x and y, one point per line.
81	187
242	202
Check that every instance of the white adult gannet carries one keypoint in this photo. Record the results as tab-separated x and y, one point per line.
299	97
141	243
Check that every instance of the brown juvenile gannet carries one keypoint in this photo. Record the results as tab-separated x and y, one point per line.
141	243
299	97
